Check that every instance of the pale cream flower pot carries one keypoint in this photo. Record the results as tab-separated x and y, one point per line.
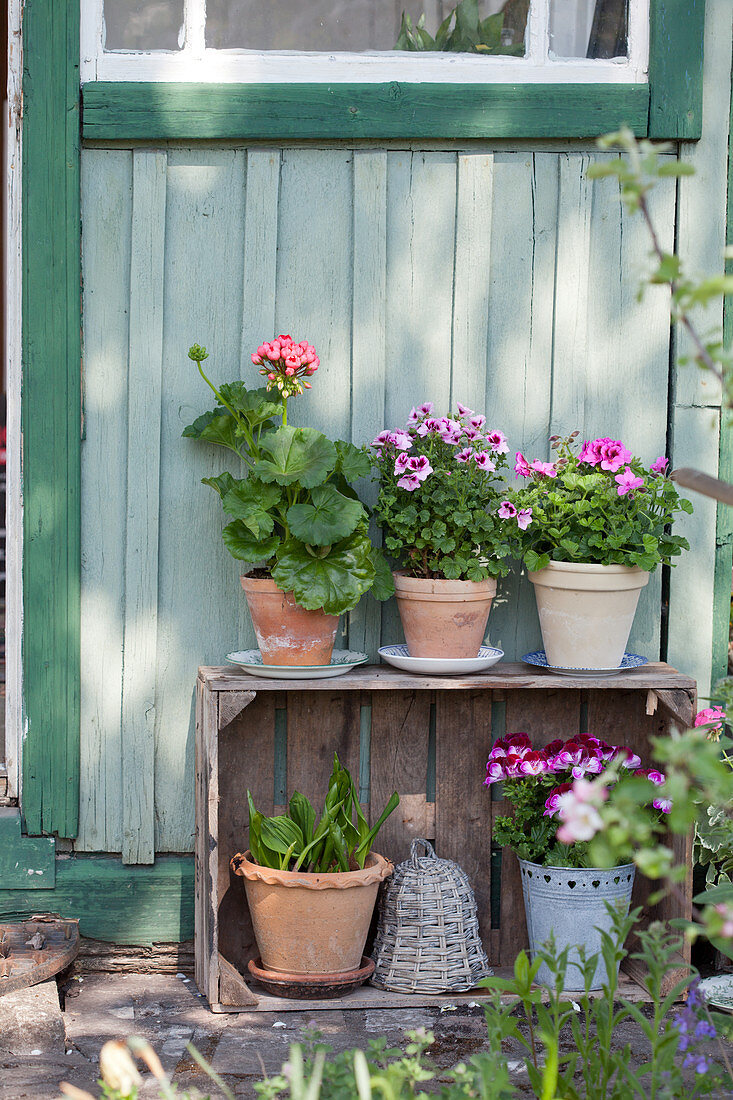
586	612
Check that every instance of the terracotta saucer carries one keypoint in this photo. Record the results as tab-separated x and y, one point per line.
311	986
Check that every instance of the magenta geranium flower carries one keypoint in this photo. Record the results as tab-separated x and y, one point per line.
430	424
507	510
484	462
545	469
465	455
613	455
286	364
709	715
524	518
554	801
590	451
477	421
628	481
498	442
420	466
659	466
401	440
401	463
522	468
381	439
472	434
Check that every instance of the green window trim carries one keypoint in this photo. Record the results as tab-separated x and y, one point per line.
669	106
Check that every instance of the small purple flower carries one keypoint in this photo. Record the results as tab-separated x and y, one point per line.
483	461
464	455
506	510
524	518
705	1030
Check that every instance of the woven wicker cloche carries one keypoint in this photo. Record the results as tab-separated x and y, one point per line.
427	938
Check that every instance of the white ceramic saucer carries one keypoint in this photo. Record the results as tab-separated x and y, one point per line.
399	656
342	660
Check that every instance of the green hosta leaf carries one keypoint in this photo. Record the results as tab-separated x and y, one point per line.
303	814
335	582
280	834
242	544
256	405
251	502
353	463
326	518
222	483
300	455
217	426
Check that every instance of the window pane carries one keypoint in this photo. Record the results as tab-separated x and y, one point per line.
589	28
142	24
479	26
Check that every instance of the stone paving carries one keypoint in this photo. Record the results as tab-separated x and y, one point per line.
40	1045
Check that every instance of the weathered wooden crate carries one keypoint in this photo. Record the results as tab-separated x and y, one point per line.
425	737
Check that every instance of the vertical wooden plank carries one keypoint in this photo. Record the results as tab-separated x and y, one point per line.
245	763
198	591
544	716
518	378
399	762
319	725
570	350
203	898
462	803
470	283
141	540
695	442
51	416
675	68
702	198
314	278
368	352
107	212
260	255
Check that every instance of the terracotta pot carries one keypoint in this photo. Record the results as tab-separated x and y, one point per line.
287	634
443	618
586	611
307	923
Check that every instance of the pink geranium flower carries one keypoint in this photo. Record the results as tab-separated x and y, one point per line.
709	715
613	455
498	442
477	421
465	455
554	800
590	452
524	518
659	466
522	468
545	469
381	439
401	440
401	463
463	411
533	763
472	434
410	482
483	461
628	481
430	424
420	466
507	510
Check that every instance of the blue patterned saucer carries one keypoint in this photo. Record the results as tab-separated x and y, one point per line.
399	656
628	662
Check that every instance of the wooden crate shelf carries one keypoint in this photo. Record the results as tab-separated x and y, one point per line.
426	737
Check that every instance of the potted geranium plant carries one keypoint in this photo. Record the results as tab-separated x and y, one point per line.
295	520
598	524
439	508
312	883
556	793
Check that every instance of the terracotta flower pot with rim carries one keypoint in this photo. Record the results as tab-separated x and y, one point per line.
443	618
307	923
287	634
586	611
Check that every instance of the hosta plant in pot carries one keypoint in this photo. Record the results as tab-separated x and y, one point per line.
556	792
599	524
439	499
312	882
294	519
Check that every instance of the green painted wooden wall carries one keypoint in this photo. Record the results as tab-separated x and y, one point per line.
499	277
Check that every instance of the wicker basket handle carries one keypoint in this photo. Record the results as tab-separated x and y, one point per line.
429	850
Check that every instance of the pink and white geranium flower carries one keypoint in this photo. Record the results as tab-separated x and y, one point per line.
497	441
524	518
484	461
506	510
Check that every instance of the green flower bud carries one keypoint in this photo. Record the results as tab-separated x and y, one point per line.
197	354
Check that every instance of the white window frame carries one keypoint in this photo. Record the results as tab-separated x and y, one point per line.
194	62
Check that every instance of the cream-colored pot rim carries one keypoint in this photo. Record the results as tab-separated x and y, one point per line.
376	869
589	567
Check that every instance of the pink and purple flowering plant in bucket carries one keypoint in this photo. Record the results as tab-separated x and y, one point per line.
442	501
596	504
557	793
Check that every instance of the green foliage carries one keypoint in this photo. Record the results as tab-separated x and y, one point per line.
528	832
579	516
638	172
447	526
294	510
462	31
340	841
714	825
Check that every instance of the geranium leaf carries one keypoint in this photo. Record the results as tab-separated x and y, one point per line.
242	544
335	582
222	482
383	586
217	426
251	502
255	405
296	454
328	517
353	462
